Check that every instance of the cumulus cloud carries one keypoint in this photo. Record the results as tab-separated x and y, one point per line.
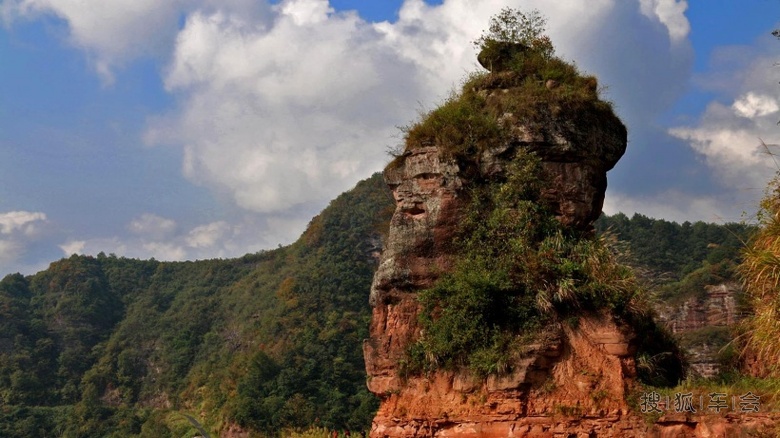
73	247
24	222
304	12
734	138
285	105
670	13
291	103
19	232
152	226
113	32
206	236
9	251
220	239
283	116
279	115
753	105
110	31
678	206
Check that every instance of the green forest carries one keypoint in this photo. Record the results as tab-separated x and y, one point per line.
113	347
109	346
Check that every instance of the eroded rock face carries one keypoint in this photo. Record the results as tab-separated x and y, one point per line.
574	380
568	371
716	308
560	373
428	198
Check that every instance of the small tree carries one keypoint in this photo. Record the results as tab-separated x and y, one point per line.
517	27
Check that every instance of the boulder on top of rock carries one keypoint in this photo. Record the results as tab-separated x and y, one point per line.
499	56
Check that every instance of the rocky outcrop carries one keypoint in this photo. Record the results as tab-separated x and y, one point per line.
567	371
576	378
575	157
716	307
703	324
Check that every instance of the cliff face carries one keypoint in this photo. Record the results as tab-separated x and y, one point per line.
568	371
579	368
576	377
703	324
576	380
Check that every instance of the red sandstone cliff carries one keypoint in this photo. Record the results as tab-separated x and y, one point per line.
576	379
699	319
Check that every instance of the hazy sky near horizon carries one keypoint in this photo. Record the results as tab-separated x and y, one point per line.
187	129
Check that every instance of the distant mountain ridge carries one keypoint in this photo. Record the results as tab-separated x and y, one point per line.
109	346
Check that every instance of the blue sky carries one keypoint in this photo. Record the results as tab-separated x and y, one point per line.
205	128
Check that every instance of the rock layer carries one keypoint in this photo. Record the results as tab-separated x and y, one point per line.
716	308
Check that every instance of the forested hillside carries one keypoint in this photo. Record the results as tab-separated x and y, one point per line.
677	261
675	249
690	272
109	346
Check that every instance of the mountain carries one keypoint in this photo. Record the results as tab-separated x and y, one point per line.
109	346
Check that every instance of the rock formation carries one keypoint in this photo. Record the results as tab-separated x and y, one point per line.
576	378
700	319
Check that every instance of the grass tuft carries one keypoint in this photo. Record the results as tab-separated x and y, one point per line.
760	271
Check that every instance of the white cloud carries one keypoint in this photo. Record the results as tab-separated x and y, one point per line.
283	116
19	232
678	206
281	105
206	236
164	251
731	138
736	155
110	31
279	115
670	13
220	239
305	12
152	226
113	32
73	247
9	251
751	105
25	222
288	105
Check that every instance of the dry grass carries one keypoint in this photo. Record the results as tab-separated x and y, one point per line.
760	271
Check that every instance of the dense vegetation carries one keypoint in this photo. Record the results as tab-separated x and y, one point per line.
108	346
677	262
673	249
518	270
760	271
